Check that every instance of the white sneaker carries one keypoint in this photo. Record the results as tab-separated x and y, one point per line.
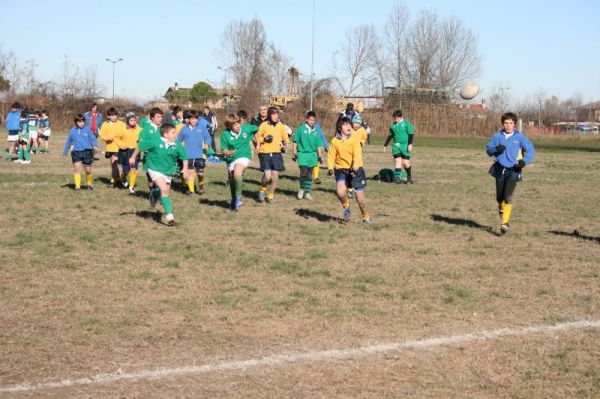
170	219
27	162
307	196
131	190
300	194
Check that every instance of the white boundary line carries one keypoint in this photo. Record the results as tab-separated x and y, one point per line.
311	356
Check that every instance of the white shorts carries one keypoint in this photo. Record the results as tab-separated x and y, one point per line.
241	161
13	137
47	133
33	135
155	175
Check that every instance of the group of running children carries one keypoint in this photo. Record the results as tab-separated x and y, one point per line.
28	133
180	149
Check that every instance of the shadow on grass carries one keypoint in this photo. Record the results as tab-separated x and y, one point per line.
576	234
464	222
321	217
218	203
154	215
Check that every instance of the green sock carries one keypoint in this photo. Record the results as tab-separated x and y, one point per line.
166	201
238	187
26	153
156	192
409	172
397	174
402	176
307	186
20	154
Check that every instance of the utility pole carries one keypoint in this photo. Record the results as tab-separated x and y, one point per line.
312	60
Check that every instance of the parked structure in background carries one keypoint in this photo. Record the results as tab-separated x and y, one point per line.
589	112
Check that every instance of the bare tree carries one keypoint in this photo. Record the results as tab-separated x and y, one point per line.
360	44
277	66
90	85
245	48
422	45
499	98
394	35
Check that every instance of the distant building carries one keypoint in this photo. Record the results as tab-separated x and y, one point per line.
178	95
589	112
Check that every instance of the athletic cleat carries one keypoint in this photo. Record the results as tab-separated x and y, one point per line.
409	181
270	200
307	196
504	228
170	219
90	187
317	181
200	190
189	193
77	188
346	214
152	198
238	203
300	194
367	222
131	190
124	184
262	196
26	162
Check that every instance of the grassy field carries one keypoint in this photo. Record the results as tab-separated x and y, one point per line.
92	282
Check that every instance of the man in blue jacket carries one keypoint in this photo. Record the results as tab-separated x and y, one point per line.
93	119
512	151
13	121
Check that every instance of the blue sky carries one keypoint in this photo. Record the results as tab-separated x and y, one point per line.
525	45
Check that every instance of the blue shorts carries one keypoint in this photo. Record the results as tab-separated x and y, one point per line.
124	156
358	181
86	157
271	161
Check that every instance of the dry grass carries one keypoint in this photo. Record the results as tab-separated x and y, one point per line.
91	283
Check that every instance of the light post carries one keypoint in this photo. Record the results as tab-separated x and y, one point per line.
226	97
113	65
312	59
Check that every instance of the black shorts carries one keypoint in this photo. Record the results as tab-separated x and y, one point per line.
197	163
45	138
109	154
86	157
124	156
271	161
358	182
401	155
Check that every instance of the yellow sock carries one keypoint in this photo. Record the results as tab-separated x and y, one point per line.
316	172
270	196
263	188
200	181
77	178
132	178
365	216
346	203
506	213
191	185
88	179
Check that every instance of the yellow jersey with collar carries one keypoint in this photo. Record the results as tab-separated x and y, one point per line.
361	134
279	133
129	138
110	131
344	153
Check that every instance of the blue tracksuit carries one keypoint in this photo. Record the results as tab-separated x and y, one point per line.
514	144
81	139
13	120
195	138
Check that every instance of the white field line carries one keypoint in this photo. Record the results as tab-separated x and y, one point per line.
311	356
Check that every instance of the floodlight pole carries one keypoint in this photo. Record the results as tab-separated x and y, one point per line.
312	59
113	67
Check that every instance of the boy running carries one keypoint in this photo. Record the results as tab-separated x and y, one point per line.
196	140
84	143
271	139
512	152
401	133
345	160
161	155
236	144
127	142
307	150
109	131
